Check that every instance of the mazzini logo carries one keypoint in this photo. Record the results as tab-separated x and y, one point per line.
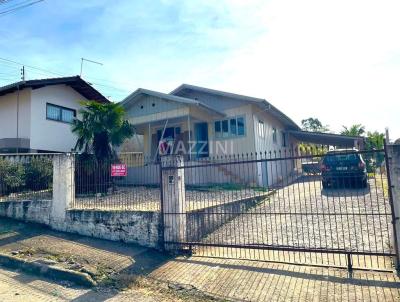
203	148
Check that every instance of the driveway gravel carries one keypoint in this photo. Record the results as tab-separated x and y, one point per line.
302	215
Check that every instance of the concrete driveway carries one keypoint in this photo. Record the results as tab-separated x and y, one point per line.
302	215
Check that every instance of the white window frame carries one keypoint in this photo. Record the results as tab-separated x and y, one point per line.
229	135
61	109
261	128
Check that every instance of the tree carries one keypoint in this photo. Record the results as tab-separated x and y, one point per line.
353	130
101	129
313	125
375	140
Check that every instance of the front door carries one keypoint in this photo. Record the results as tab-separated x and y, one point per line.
201	135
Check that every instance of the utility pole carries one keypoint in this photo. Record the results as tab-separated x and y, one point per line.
90	61
23	73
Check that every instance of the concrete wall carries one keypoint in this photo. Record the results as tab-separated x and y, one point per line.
29	211
47	134
143	228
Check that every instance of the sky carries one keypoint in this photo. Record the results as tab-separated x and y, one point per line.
338	61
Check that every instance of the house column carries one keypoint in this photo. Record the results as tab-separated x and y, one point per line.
63	188
149	142
189	138
173	201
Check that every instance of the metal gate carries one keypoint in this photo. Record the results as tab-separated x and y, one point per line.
297	206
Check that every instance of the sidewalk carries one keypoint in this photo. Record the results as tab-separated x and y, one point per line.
124	269
242	280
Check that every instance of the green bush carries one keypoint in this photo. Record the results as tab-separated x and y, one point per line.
12	177
38	174
92	176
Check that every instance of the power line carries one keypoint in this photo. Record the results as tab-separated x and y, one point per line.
46	72
8	7
32	67
2	2
11	10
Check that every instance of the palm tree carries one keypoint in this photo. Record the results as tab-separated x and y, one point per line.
101	129
354	130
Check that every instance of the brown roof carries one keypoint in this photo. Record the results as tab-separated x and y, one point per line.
75	82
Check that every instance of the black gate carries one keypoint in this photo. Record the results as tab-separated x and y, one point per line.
310	206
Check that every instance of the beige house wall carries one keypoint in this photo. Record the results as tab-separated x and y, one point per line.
8	115
48	134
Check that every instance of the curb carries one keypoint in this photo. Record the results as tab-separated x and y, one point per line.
47	271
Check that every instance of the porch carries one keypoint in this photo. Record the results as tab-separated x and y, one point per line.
187	135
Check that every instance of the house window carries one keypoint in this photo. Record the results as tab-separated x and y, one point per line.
217	129
240	126
274	137
225	128
169	133
232	127
261	129
60	114
284	139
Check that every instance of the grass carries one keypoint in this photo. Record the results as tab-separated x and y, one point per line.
383	183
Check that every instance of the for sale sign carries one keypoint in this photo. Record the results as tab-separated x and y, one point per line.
118	170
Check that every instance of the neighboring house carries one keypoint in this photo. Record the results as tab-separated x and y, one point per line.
203	123
36	115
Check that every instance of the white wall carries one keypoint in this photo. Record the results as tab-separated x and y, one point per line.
8	115
47	134
272	172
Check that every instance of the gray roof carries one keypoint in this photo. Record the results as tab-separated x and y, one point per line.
326	138
75	82
264	104
131	99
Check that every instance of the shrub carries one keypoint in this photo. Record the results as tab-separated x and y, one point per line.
12	177
91	175
38	174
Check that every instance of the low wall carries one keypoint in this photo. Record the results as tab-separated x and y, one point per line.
143	228
200	223
29	211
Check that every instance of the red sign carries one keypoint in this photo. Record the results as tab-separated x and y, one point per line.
119	170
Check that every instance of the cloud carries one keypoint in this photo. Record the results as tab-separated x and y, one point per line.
335	60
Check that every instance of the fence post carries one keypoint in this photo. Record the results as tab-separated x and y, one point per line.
63	188
174	211
393	174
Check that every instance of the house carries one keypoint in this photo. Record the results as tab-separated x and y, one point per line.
207	123
200	122
36	115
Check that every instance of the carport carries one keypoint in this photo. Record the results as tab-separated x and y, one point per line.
329	139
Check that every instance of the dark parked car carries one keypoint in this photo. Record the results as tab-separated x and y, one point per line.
343	168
